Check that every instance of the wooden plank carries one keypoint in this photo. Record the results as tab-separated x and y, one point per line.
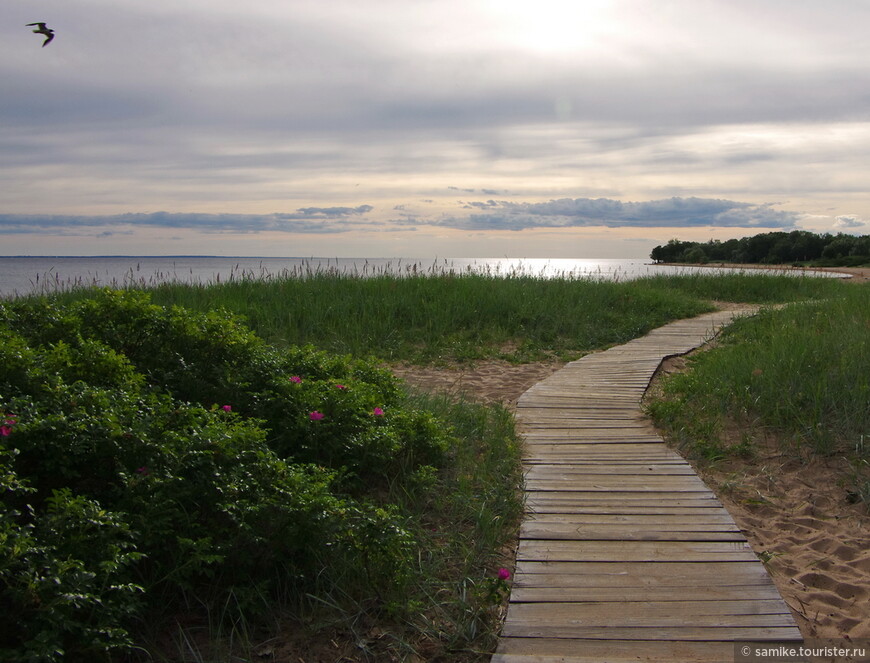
639	452
631	519
528	650
665	593
611	434
638	574
626	498
650	613
703	632
624	533
564	422
608	468
611	484
548	454
579	472
623	501
561	400
590	436
539	509
541	468
641	551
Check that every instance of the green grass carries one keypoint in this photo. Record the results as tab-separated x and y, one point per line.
747	287
448	317
800	371
442	317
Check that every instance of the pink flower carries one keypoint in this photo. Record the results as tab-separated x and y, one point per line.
8	423
340	386
503	574
296	379
227	408
378	412
316	416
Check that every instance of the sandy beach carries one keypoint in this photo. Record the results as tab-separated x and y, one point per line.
796	511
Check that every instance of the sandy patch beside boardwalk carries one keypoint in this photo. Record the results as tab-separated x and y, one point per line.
795	513
494	381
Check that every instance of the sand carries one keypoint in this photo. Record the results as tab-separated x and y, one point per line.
795	510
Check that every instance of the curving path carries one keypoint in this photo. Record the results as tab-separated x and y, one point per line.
625	554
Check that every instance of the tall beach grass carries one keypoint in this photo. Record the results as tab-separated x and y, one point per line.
801	371
434	316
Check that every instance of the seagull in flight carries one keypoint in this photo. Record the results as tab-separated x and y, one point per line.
41	29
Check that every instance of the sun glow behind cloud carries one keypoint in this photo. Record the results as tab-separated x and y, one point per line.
551	27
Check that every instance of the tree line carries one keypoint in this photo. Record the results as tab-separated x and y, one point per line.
796	247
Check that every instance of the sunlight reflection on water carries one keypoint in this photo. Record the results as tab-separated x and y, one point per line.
25	275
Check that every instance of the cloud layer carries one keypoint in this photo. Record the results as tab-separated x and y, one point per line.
304	220
670	213
555	114
488	215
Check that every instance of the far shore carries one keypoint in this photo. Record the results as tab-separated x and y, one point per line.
857	274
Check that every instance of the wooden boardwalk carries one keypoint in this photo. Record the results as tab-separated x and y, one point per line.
625	554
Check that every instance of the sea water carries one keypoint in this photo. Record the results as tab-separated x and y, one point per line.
43	274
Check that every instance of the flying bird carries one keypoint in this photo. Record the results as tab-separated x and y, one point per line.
41	29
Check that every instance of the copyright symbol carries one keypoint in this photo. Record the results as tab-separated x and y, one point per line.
746	651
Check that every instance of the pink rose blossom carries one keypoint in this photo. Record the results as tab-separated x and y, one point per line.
503	574
8	422
378	412
316	416
296	379
340	386
227	408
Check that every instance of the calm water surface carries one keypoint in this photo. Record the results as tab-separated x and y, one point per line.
26	275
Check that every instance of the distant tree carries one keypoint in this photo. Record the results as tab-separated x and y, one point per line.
730	247
671	252
772	248
781	251
695	254
840	247
716	250
759	246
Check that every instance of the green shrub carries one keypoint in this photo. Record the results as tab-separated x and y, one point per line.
65	579
214	360
154	458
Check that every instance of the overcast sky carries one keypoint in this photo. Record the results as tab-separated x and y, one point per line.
429	128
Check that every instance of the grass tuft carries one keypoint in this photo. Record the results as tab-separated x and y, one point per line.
799	370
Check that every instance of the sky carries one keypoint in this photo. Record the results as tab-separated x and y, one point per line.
429	128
